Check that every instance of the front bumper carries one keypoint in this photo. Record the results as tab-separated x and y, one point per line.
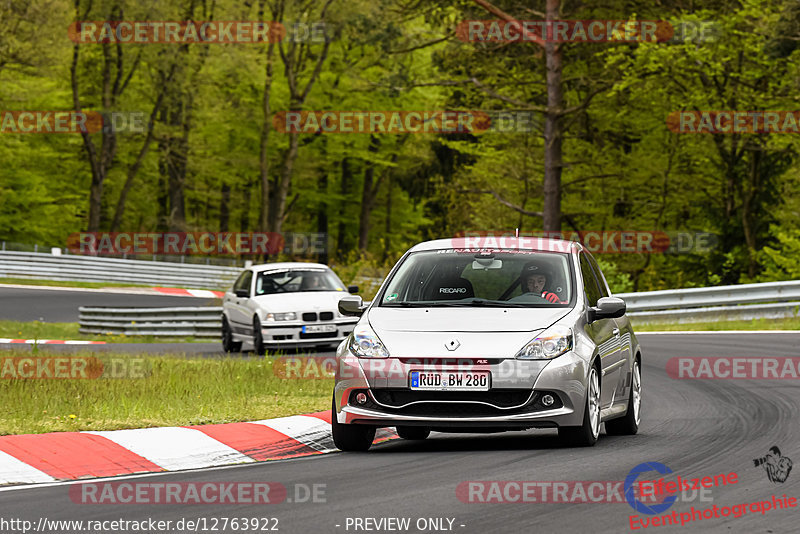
291	334
513	401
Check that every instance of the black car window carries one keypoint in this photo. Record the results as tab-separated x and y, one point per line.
297	280
589	281
496	277
239	284
244	281
601	279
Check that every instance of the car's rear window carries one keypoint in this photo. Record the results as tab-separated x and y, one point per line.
455	278
296	280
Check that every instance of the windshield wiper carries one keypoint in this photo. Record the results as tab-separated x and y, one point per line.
475	303
484	303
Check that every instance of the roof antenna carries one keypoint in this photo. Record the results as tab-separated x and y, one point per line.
516	232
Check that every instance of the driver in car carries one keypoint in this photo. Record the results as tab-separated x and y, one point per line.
533	280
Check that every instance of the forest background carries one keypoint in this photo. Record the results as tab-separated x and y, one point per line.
599	155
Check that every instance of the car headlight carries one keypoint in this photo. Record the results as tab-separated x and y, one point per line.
551	343
364	343
288	316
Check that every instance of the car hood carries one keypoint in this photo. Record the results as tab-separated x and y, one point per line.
463	319
493	333
301	301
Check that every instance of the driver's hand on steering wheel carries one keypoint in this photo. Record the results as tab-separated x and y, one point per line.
550	297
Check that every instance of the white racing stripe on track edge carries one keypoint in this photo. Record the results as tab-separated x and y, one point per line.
310	431
13	471
174	448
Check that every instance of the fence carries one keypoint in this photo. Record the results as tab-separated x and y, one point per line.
73	268
170	322
680	305
772	300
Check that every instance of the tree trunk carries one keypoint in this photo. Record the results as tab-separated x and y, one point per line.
551	221
387	234
173	164
244	217
282	192
224	210
342	243
367	197
265	129
133	170
748	215
322	215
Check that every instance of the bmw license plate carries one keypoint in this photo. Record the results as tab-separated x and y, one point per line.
450	380
319	328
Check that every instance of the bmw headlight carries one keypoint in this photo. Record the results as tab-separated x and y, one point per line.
288	316
364	343
551	343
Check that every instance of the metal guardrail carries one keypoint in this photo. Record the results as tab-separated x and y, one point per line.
757	301
163	322
39	266
708	304
712	296
719	313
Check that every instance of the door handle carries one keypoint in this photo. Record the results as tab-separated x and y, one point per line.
615	332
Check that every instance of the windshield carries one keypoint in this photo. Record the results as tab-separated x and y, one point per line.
297	280
500	279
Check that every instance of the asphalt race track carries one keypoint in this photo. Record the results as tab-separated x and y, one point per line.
696	427
61	306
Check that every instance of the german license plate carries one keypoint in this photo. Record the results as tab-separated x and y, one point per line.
319	328
450	380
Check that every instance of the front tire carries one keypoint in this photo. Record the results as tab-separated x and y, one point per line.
586	435
350	438
258	337
414	433
228	344
628	425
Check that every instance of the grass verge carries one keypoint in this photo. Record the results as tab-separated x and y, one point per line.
175	390
755	324
70	331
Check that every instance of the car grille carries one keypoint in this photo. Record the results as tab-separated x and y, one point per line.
310	317
496	402
317	335
498	397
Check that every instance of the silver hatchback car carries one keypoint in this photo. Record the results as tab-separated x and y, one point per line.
476	335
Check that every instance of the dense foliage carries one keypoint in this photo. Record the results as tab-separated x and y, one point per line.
211	159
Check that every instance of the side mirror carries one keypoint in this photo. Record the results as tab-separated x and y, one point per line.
607	308
352	289
243	293
353	306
